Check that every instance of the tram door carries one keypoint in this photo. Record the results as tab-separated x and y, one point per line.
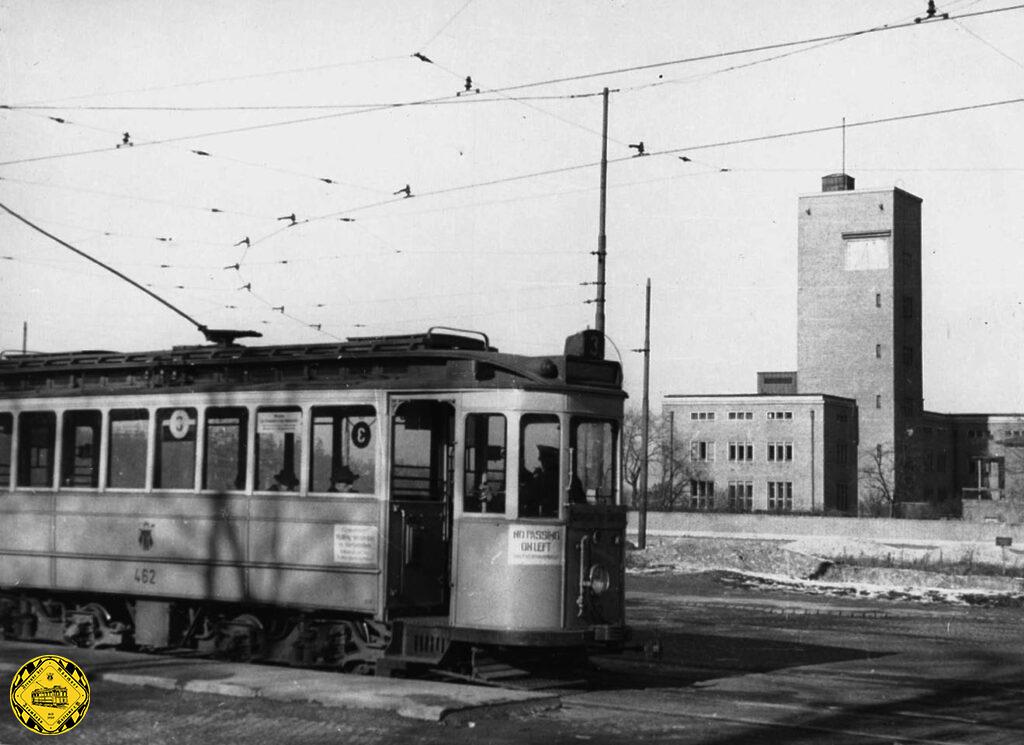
419	536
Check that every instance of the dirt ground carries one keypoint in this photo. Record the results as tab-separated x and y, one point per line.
799	565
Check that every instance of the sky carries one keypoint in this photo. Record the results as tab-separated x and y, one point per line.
265	109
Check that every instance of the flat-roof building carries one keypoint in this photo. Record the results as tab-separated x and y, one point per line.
859	303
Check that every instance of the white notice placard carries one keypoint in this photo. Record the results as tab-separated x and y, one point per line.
279	421
355	544
540	544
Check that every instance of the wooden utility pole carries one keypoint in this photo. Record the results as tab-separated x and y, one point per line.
641	541
601	237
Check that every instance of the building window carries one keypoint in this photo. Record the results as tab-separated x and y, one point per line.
741	496
878	300
908	356
842	452
741	451
702	495
908	306
878	401
780	451
703	450
878	351
741	415
702	415
780	415
780	496
866	252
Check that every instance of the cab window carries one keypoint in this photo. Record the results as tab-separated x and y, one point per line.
81	451
225	449
175	465
6	440
344	445
129	432
593	469
485	463
539	466
278	448
37	438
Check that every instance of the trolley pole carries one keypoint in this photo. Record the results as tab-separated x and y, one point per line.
641	542
602	239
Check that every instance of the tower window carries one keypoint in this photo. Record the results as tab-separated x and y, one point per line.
878	300
878	351
878	402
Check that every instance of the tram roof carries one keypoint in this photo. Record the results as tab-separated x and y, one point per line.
427	360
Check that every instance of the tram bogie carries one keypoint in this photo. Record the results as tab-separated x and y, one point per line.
406	499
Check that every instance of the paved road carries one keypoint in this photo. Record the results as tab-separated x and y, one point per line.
740	666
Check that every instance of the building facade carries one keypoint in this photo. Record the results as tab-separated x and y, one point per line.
776	453
859	316
859	302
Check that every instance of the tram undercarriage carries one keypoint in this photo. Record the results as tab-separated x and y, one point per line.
346	643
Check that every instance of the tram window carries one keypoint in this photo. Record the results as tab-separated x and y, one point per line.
6	439
81	451
37	437
344	446
129	431
226	445
485	463
421	463
539	466
278	448
593	472
175	466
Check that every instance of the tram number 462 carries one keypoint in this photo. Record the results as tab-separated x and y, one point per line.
145	576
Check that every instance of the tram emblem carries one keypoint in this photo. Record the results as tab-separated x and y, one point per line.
50	694
146	536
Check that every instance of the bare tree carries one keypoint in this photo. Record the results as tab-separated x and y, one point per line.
671	467
889	477
878	475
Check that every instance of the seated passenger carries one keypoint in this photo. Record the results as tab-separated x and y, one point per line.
343	480
284	481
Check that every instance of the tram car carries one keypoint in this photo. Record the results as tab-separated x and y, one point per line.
52	698
369	505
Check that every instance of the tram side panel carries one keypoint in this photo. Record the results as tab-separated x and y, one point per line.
308	553
316	552
26	539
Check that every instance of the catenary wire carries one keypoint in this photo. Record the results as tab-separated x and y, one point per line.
521	86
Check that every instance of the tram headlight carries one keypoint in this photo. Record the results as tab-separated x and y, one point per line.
599	579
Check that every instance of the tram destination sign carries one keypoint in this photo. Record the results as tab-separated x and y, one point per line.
535	544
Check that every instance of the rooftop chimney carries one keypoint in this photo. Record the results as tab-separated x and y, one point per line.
837	182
